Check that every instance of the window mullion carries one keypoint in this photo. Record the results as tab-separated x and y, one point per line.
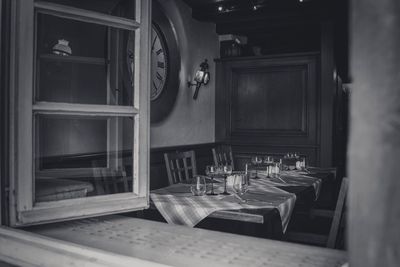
85	15
83	109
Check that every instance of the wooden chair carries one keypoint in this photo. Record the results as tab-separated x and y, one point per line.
337	222
223	155
325	207
110	181
180	166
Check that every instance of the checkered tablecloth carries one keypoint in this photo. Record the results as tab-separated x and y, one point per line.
177	205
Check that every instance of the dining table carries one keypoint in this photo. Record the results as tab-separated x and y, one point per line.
266	212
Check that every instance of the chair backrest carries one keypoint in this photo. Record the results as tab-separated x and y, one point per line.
339	213
110	181
223	155
180	166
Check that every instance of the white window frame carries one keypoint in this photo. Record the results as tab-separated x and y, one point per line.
23	210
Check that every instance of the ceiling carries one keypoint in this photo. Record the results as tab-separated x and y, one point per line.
281	21
223	10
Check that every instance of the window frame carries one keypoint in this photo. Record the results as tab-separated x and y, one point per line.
23	210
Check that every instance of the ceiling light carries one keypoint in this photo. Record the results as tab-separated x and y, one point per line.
220	8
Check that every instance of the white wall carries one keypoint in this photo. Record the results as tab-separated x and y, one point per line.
190	121
374	148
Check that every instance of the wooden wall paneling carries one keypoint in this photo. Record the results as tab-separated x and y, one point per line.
272	105
340	130
244	152
270	99
228	75
220	104
327	93
266	103
249	121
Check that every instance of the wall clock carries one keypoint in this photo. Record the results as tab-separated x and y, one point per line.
159	63
165	65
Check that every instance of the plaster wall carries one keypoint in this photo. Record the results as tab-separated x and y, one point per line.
190	121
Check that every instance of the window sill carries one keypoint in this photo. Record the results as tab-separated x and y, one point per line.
21	248
161	243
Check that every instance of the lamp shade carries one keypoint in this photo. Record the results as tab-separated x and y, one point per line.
206	77
202	76
199	77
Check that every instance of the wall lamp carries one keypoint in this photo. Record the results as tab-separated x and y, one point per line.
202	76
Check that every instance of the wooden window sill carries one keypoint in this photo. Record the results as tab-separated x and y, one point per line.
21	248
160	243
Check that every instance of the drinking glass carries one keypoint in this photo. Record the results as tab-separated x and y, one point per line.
211	172
241	184
275	170
198	186
219	170
256	160
226	171
304	165
268	159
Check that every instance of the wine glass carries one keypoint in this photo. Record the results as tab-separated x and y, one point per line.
240	185
268	159
198	186
226	171
256	160
275	170
211	172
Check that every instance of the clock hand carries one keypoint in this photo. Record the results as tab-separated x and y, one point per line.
154	42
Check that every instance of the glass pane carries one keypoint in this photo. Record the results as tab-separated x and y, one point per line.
84	63
119	8
82	156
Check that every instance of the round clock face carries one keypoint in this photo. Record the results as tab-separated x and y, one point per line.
159	63
165	65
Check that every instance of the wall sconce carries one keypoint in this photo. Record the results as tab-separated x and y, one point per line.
202	76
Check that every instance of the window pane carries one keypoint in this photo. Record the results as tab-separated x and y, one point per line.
82	156
119	8
84	63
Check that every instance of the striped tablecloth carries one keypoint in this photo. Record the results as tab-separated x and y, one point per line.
177	205
292	178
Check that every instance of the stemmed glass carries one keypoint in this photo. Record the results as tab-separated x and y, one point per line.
211	172
240	185
268	159
226	170
256	160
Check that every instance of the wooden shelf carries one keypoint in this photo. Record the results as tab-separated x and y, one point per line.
74	59
267	56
